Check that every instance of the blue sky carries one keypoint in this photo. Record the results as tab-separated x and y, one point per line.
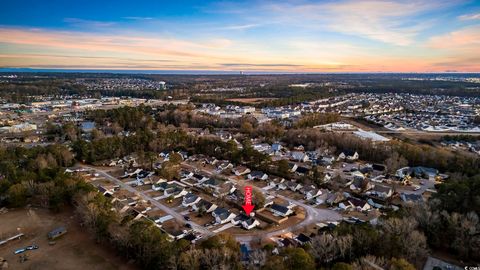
294	36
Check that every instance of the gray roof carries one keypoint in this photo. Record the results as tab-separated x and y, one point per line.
279	208
189	198
221	213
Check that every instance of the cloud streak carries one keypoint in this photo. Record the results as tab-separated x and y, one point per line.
469	17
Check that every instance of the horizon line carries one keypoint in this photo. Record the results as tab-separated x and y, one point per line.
207	72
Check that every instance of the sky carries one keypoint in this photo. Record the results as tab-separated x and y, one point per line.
250	36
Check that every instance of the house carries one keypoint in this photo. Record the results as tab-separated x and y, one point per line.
245	221
204	205
224	135
276	147
327	177
352	157
190	237
144	174
131	174
199	178
327	160
348	156
224	165
381	191
132	201
177	234
183	154
334	198
212	183
190	199
186	174
366	169
258	175
219	187
241	170
287	242
164	154
211	160
301	170
357	204
293	186
250	223
299	156
292	166
280	185
312	193
176	191
162	186
321	199
142	208
280	210
105	192
261	147
303	239
360	184
222	215
224	189
305	189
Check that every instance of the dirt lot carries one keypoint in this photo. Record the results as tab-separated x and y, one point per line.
74	250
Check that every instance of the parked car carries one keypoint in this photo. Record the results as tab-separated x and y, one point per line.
186	217
21	250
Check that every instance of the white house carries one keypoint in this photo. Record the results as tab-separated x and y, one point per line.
357	204
205	205
257	175
312	193
381	191
190	199
292	166
222	215
161	186
348	155
280	210
241	170
245	221
224	165
293	186
176	191
299	156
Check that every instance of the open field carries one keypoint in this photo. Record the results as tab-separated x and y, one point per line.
74	250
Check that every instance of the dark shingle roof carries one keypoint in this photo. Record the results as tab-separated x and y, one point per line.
279	208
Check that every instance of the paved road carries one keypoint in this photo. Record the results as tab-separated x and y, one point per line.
162	207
